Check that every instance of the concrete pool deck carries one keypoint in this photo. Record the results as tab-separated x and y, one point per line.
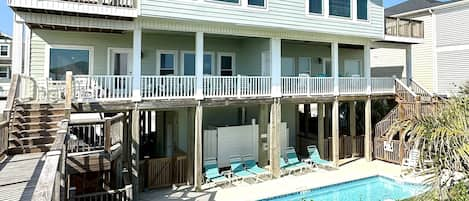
288	184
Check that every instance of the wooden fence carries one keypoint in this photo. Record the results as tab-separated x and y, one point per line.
392	152
345	147
163	172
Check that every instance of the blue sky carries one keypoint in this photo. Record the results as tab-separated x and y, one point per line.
6	16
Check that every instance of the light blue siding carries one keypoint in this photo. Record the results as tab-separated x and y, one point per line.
285	14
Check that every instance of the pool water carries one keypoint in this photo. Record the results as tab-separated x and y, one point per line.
376	188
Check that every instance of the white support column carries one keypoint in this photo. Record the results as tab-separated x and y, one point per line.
199	65
335	133
368	140
408	63
276	65
27	51
335	66
137	63
353	7
17	49
367	67
198	148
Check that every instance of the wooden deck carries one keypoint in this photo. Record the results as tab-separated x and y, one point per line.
19	175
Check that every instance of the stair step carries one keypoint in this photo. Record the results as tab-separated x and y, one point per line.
30	149
35	125
38	106
40	112
38	118
34	132
32	140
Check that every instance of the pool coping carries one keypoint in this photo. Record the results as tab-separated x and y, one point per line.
400	180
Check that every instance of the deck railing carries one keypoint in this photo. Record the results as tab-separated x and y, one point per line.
220	86
404	27
253	86
3	138
164	87
380	85
352	85
118	3
123	194
102	87
306	86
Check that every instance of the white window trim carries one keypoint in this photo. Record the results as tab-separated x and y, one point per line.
175	60
243	4
110	50
367	12
325	13
8	67
181	67
246	3
228	54
68	47
8	50
315	14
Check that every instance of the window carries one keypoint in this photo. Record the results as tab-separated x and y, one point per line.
228	1
4	50
260	3
166	62
362	9
4	72
339	8
315	6
65	59
226	64
188	63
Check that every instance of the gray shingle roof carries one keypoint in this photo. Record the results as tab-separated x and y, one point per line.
411	5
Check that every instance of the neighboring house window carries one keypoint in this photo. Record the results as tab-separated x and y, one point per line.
64	59
260	3
226	64
167	62
339	8
362	9
4	50
4	72
188	63
315	6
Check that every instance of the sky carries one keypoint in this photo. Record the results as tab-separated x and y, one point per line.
6	16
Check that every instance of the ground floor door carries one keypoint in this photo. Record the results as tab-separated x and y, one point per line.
120	61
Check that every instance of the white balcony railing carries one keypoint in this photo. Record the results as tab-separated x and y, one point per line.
111	87
102	87
352	85
382	85
165	87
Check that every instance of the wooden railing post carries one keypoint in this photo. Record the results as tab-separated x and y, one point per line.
68	93
107	134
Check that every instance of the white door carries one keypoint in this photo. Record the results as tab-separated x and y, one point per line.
121	62
352	68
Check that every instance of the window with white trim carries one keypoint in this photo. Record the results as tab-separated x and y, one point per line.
188	63
4	50
339	8
226	64
4	72
166	61
62	60
362	9
259	3
228	1
315	6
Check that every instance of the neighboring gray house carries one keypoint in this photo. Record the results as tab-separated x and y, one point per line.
441	62
5	64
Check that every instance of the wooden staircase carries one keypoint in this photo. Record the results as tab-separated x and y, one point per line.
33	127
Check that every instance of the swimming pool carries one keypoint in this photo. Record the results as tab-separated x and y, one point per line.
376	188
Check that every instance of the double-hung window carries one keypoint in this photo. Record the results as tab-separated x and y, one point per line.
362	9
166	62
4	72
339	8
259	3
4	50
315	6
62	60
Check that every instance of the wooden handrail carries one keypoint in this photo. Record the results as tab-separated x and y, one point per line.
12	94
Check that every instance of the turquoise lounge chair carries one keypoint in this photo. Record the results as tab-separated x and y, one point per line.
252	167
212	173
316	158
293	160
287	168
237	168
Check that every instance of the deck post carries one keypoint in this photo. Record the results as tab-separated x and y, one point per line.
198	148
275	64
335	132
408	63
137	63
402	116
321	129
367	68
368	130
199	65
353	127
190	145
135	155
275	120
263	130
68	93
